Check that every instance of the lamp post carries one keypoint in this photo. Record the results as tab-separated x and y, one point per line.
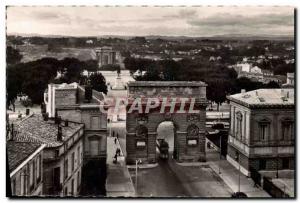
138	161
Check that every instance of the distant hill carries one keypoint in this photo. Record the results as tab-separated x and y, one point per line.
214	37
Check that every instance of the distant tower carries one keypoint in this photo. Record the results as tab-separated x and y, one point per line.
106	56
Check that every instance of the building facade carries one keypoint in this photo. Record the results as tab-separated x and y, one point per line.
25	168
83	105
262	134
62	155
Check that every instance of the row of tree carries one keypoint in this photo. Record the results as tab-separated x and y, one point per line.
32	78
220	79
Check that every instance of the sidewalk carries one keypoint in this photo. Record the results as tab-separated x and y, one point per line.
229	174
118	182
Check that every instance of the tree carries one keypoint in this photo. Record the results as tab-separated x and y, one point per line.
13	56
98	82
72	69
14	79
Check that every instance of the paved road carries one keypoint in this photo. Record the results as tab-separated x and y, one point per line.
160	181
169	179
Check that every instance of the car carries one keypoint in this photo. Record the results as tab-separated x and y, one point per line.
239	195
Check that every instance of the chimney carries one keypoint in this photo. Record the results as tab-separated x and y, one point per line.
66	123
59	134
256	93
243	91
27	112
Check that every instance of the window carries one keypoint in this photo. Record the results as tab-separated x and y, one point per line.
95	122
56	153
66	169
94	145
78	179
31	175
103	122
287	130
73	161
239	123
285	163
66	191
23	182
56	178
78	156
38	168
13	187
264	128
72	188
262	164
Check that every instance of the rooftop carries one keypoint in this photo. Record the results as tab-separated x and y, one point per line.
18	152
265	97
166	84
35	129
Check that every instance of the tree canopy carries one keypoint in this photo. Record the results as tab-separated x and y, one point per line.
33	77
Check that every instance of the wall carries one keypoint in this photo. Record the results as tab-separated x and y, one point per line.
59	161
23	177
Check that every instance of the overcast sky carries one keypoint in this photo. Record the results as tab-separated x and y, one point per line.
171	21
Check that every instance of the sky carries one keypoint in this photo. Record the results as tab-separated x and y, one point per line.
142	21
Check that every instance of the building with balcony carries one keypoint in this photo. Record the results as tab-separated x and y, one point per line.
262	130
25	168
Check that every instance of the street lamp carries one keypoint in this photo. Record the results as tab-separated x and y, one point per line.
138	161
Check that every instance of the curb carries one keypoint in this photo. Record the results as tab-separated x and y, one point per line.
193	164
143	166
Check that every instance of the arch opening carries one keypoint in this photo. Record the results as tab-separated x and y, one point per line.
165	139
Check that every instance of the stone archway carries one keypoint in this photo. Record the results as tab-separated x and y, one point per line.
189	136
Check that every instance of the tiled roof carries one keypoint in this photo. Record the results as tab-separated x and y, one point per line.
18	152
35	129
265	97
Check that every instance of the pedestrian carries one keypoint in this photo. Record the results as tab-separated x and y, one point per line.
115	140
118	152
115	158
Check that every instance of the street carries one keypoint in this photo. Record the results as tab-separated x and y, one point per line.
170	179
